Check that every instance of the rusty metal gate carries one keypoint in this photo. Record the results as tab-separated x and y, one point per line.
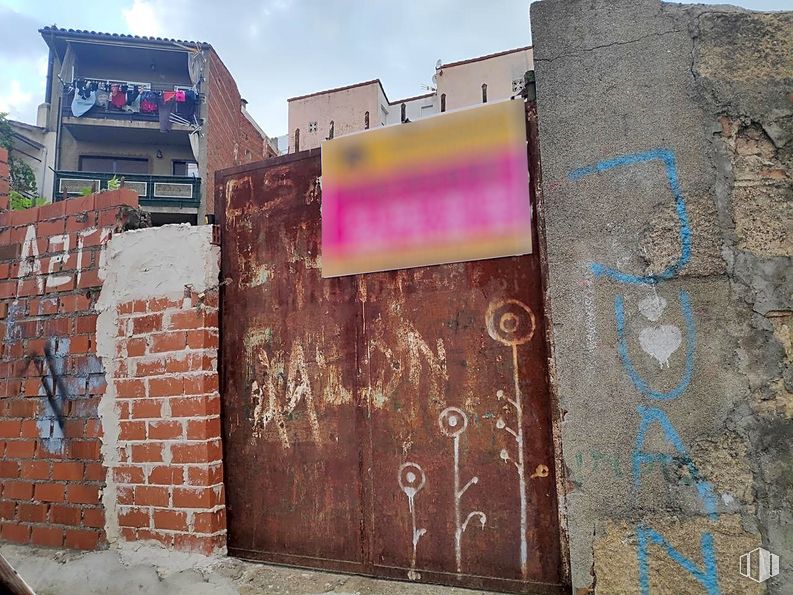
394	424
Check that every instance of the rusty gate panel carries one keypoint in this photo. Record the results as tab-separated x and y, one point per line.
395	424
439	349
289	360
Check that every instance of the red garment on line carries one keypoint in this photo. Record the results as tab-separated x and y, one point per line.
178	96
117	97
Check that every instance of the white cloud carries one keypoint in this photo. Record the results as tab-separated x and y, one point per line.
42	65
142	18
18	103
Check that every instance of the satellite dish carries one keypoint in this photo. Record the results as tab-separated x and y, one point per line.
435	79
438	64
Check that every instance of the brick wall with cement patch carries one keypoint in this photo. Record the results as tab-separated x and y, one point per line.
667	221
109	411
51	474
170	472
158	339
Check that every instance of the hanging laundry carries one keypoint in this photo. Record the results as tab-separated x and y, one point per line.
133	107
84	89
165	107
81	105
187	108
132	94
148	102
102	97
118	97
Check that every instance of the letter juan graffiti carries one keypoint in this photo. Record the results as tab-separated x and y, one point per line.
660	342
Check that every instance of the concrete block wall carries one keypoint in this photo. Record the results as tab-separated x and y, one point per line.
666	139
51	473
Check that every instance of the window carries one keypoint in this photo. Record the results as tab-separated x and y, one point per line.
114	165
185	169
484	92
312	126
366	121
443	102
403	112
297	140
331	130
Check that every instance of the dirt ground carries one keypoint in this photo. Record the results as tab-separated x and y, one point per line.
145	569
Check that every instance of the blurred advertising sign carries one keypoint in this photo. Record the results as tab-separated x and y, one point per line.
447	188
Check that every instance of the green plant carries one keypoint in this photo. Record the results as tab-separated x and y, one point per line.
86	191
22	177
113	183
23	180
6	134
18	201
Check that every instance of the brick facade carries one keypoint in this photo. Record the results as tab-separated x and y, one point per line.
231	138
77	424
51	470
170	473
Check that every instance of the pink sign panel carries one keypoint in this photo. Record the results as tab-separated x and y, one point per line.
450	188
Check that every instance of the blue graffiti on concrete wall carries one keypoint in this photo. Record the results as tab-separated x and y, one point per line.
640	457
707	577
688	366
666	157
667	344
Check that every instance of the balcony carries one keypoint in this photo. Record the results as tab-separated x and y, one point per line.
155	192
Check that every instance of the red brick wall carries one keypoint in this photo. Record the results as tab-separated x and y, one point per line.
169	479
51	472
4	180
231	138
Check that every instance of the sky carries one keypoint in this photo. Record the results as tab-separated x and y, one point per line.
277	49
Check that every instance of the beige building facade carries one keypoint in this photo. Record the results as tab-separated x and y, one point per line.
327	114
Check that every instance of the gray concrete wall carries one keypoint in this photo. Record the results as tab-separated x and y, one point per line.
666	134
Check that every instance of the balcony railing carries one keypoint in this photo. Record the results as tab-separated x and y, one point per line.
170	191
112	113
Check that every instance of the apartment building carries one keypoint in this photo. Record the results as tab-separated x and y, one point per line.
160	115
325	114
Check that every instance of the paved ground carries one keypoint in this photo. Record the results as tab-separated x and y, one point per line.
154	571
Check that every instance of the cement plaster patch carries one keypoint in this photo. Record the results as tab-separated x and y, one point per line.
617	565
159	262
763	219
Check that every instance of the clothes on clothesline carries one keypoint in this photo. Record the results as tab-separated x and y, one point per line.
80	104
118	96
179	105
148	102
